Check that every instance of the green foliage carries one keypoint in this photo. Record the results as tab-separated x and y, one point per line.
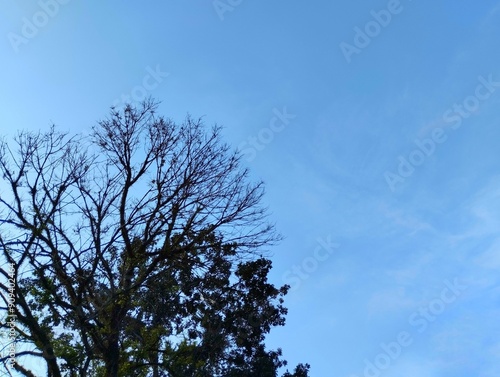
144	256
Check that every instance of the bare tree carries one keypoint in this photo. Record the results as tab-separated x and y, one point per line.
132	247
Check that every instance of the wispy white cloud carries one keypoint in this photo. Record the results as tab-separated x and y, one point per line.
393	299
413	366
403	220
482	211
490	258
413	270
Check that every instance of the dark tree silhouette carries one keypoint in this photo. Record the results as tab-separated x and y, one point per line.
138	252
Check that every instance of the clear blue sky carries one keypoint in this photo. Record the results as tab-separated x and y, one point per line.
375	125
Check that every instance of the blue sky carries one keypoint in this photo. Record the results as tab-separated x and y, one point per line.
383	176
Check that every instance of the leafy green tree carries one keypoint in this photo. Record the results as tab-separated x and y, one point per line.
138	252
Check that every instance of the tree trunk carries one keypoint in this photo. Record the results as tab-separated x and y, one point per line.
112	357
